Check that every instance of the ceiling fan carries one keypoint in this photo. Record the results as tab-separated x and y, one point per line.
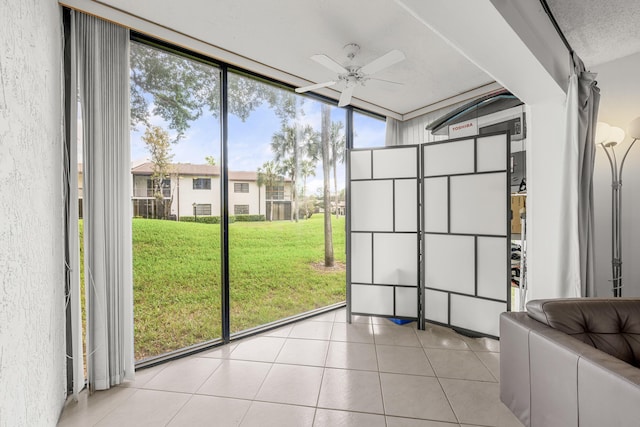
353	75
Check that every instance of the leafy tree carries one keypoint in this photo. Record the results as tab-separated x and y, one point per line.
337	141
170	86
268	175
325	139
210	160
180	90
157	141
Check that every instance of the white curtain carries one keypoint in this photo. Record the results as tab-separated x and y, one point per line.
576	243
392	132
588	103
102	51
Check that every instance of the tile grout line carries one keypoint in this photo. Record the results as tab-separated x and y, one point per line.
181	407
486	367
375	348
115	407
448	400
437	377
370	324
253	399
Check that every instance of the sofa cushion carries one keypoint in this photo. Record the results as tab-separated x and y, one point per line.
611	325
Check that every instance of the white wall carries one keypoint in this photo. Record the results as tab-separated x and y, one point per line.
533	26
619	104
32	321
256	202
413	131
185	196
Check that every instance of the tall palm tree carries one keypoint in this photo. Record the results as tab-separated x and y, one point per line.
284	145
326	163
290	145
260	183
268	174
307	169
337	141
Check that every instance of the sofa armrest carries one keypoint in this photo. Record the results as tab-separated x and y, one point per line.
608	391
548	378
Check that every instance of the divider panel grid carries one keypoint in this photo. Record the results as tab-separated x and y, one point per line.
383	227
465	244
439	208
436	212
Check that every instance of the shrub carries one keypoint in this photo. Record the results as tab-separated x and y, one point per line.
205	219
250	218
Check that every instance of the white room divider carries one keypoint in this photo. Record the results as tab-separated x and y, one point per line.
448	201
384	232
466	240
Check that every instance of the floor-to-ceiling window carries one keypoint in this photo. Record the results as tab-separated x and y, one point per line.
175	176
285	257
368	130
270	160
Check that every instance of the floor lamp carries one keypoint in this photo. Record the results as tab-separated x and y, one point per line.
608	137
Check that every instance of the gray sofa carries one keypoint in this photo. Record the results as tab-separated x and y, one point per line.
572	362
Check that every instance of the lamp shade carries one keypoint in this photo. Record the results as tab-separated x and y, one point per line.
634	128
616	136
602	132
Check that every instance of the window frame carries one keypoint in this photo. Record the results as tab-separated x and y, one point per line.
166	187
203	209
224	182
238	187
201	180
235	209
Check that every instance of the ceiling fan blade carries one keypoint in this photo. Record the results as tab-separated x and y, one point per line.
345	97
325	61
386	60
314	87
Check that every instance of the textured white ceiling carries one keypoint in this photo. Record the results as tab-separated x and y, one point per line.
284	34
599	30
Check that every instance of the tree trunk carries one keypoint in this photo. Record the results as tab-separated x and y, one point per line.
294	179
304	197
271	211
335	181
326	169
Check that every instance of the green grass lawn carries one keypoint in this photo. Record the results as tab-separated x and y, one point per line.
273	274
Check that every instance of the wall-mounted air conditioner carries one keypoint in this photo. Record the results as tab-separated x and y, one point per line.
492	113
499	111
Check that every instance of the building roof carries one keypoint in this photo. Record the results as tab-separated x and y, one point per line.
197	170
179	168
193	170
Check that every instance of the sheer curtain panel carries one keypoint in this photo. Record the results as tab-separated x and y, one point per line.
102	54
393	134
578	154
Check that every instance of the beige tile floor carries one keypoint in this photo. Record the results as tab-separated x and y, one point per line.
319	372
